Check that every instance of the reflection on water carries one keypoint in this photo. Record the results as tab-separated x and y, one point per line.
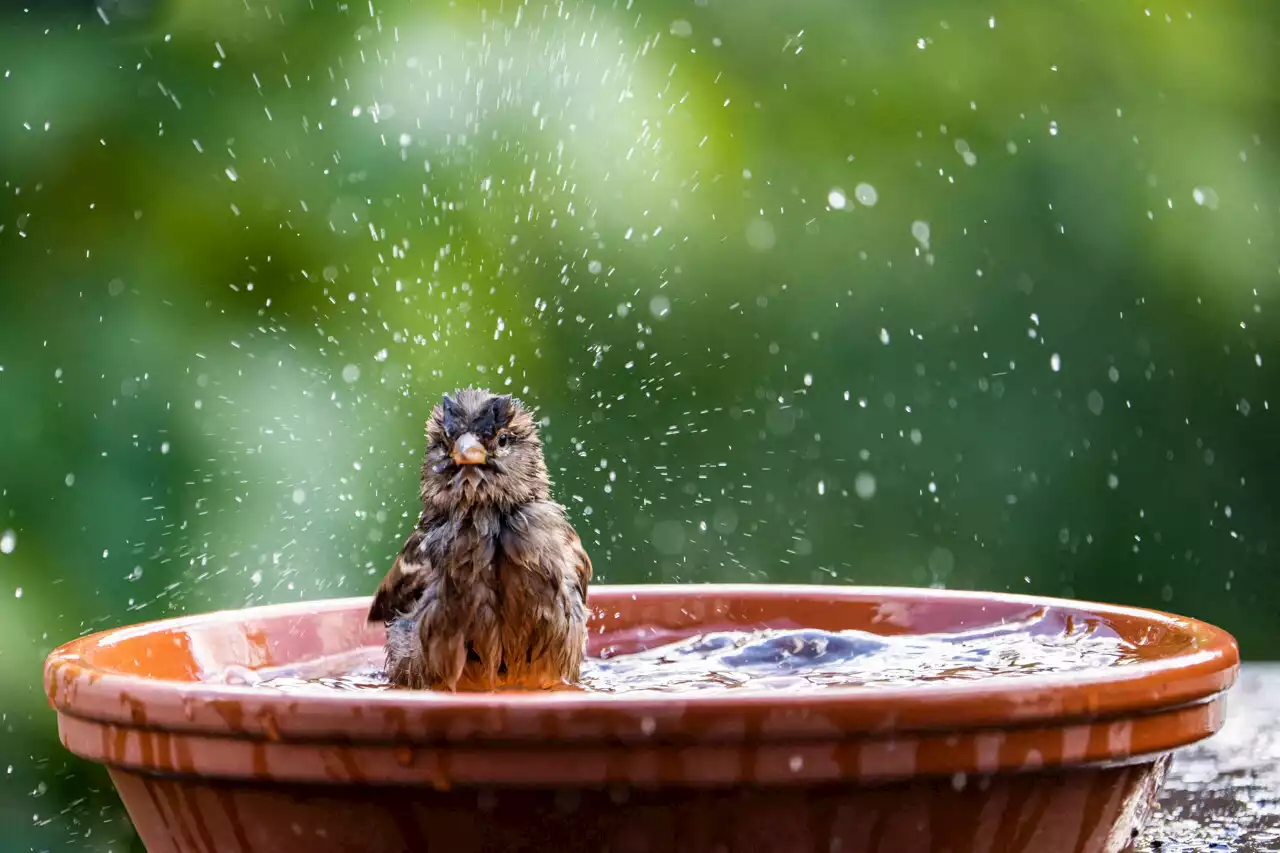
780	659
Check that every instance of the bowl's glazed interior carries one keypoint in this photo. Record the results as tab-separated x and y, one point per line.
1089	745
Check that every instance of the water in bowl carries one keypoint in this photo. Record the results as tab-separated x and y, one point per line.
776	659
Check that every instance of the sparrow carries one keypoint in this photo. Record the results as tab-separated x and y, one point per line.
490	589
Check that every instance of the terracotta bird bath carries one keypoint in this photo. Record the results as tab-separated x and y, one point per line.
1044	762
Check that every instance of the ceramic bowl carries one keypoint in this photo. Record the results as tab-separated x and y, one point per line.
1045	762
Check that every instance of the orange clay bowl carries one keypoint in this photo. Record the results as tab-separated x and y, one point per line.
1054	762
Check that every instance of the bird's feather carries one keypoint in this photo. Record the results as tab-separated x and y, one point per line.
490	589
399	590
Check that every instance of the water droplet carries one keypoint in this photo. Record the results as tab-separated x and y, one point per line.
680	28
660	306
1055	362
8	541
836	199
884	336
594	267
350	373
864	485
1095	401
760	235
70	480
1113	482
966	154
668	537
299	496
796	763
866	194
941	562
920	230
1205	197
780	421
725	520
231	173
17	593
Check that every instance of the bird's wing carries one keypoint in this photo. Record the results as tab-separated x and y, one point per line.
400	589
582	563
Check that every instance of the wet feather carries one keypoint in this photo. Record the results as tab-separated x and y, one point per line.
490	589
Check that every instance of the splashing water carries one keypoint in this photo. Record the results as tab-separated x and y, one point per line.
785	658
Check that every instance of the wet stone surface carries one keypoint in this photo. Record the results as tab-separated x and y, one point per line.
1224	794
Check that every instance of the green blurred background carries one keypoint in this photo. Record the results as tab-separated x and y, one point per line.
976	296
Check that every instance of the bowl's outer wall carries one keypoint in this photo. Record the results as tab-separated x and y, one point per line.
1084	810
713	762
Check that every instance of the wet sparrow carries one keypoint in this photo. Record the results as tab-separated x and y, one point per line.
490	589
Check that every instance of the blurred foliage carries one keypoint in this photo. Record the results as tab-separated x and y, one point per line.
972	296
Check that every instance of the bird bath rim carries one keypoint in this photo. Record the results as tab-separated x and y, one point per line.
82	680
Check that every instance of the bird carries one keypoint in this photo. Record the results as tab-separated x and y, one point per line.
489	591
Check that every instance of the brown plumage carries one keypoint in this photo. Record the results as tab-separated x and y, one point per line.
490	589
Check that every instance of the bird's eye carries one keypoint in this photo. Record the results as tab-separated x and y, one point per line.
503	439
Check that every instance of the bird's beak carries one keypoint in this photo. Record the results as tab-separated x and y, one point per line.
468	450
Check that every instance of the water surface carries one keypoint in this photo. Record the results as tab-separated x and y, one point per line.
778	659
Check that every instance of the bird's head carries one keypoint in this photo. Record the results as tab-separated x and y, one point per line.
482	449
